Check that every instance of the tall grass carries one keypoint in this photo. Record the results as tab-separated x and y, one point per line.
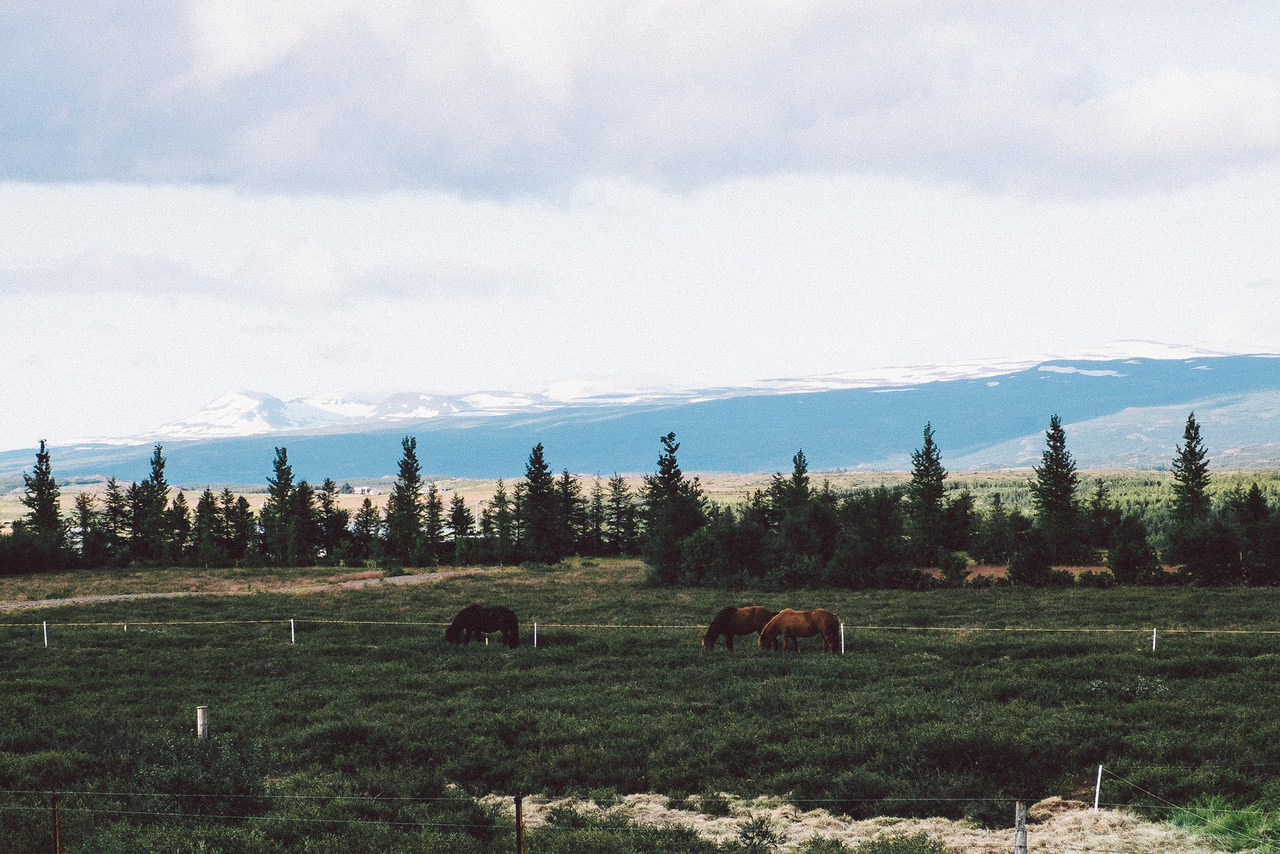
371	726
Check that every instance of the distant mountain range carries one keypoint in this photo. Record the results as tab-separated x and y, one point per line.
1119	411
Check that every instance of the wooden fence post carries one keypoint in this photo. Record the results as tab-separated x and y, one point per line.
519	825
57	835
202	722
1020	829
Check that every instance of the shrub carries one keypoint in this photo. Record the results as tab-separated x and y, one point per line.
954	566
757	836
914	843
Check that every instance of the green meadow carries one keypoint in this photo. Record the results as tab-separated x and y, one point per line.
366	731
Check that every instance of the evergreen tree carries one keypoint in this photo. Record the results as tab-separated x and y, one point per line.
925	495
996	538
277	513
1053	493
1130	556
620	522
1032	562
366	532
406	510
461	523
306	528
239	526
570	513
208	531
789	494
333	521
593	532
1191	503
433	528
43	521
137	513
501	524
959	523
151	519
674	508
115	522
177	531
519	514
89	531
1102	517
538	517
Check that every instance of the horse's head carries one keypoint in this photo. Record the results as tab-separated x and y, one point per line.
708	640
453	634
767	640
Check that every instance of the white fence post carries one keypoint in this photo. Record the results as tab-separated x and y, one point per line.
535	635
202	722
842	638
293	634
1153	640
1097	790
45	623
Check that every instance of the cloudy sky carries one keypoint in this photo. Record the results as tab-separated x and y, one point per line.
368	196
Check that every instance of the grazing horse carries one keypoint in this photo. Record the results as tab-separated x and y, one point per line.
735	621
475	620
801	624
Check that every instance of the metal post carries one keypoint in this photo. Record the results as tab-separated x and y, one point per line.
1153	640
535	635
45	623
519	825
293	634
1097	790
202	722
1020	829
842	638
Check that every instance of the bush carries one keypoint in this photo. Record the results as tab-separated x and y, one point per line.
914	843
757	836
954	566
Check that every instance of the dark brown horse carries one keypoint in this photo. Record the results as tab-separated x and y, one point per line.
735	621
791	625
475	620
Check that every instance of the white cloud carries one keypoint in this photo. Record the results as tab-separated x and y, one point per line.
297	269
1178	115
502	96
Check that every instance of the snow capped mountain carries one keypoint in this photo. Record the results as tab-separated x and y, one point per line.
1120	410
242	413
246	413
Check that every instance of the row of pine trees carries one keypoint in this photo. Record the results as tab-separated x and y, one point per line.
787	536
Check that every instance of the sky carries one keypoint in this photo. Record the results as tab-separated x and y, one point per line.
359	197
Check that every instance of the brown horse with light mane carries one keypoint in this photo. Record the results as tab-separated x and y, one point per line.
735	621
791	625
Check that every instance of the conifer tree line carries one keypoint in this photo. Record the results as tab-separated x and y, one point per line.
790	535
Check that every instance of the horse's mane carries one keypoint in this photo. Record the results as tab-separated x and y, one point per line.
726	614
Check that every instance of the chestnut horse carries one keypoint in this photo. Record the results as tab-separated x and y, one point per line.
801	624
735	621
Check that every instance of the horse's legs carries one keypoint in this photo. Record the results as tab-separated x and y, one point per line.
728	641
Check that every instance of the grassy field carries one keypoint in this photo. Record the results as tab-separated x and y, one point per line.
957	703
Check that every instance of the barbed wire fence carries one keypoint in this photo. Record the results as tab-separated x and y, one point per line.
539	628
48	807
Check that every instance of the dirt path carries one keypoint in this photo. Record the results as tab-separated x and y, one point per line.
348	584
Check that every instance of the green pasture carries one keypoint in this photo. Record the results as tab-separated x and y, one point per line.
372	731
